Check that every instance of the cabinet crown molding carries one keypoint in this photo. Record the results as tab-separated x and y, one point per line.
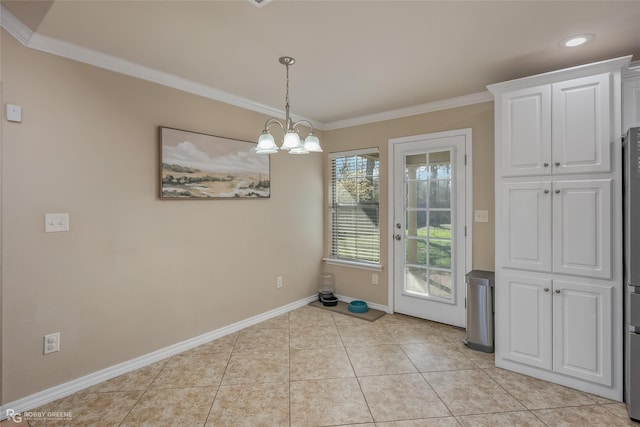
610	65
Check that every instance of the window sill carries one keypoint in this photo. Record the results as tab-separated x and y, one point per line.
356	264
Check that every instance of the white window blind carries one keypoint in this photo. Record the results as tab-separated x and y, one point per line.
355	212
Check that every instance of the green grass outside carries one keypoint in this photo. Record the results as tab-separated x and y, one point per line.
439	250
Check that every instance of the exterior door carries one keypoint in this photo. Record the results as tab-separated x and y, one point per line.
429	221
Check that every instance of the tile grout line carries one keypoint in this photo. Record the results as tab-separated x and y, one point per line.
215	396
373	420
144	392
512	396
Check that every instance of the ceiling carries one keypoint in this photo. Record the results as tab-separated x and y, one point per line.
354	59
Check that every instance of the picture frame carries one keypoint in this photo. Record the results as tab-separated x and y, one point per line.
199	166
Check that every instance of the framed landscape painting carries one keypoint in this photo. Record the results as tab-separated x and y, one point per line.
200	166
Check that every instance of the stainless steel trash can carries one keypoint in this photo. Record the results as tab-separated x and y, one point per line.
479	304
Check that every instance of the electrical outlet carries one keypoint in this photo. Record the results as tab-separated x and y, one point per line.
52	343
374	279
279	282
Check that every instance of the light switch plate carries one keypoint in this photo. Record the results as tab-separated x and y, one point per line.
14	113
56	222
481	216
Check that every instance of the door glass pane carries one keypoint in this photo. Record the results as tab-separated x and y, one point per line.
416	280
428	227
416	224
416	252
416	167
417	194
440	283
440	253
440	194
440	224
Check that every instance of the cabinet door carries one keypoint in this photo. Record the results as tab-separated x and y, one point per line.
526	228
526	131
527	328
582	125
582	228
582	328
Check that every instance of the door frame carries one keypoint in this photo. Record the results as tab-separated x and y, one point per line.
467	133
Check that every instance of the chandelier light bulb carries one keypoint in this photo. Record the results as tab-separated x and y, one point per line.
291	140
300	150
266	144
312	143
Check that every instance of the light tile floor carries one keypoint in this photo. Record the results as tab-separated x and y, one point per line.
312	367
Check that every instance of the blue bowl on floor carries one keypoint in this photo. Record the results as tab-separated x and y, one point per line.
358	307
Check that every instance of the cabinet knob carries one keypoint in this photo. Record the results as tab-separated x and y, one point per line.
557	191
546	289
546	191
546	164
557	163
557	291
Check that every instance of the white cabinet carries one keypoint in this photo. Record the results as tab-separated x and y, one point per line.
558	288
526	226
526	115
558	128
560	226
527	305
560	325
582	227
582	330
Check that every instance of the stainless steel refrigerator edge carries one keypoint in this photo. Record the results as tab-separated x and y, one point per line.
631	189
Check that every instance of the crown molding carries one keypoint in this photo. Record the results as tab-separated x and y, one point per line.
112	63
606	66
57	47
14	26
633	70
445	104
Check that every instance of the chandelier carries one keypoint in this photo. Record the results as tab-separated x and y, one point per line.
291	141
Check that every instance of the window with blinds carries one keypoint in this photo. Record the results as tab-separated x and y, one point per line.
355	211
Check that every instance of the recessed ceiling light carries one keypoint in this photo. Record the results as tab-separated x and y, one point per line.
578	40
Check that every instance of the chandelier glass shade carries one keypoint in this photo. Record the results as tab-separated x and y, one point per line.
291	141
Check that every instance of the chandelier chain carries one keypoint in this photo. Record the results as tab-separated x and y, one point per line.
286	100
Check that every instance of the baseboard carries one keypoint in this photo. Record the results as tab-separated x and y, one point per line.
57	392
